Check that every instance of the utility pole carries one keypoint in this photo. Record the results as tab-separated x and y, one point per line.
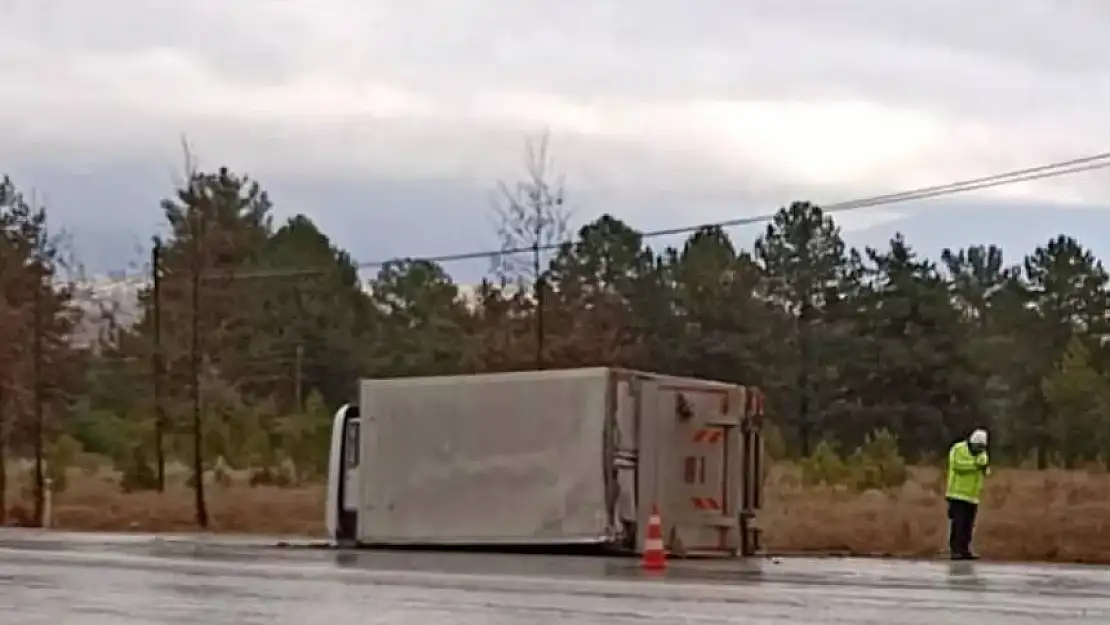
805	421
298	377
39	399
195	362
538	286
158	364
3	452
7	318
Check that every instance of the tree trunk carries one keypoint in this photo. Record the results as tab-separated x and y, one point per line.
3	455
39	399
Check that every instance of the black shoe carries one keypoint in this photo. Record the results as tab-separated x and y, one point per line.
964	556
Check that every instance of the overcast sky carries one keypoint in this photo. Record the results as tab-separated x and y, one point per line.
389	122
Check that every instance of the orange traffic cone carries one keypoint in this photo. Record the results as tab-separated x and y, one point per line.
655	557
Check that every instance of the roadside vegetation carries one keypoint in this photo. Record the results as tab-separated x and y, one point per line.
860	505
241	333
872	503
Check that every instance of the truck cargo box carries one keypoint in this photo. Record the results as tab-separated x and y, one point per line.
558	457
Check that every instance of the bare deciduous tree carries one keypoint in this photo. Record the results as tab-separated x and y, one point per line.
533	219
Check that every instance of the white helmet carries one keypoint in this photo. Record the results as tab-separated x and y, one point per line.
978	437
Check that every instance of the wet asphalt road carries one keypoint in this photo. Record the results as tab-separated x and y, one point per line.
61	579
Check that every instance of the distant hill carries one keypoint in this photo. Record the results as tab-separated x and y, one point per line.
106	293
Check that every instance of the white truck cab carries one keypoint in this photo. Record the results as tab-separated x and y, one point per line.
343	482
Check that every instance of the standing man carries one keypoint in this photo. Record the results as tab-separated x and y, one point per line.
967	466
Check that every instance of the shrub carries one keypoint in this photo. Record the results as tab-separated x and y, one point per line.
221	473
271	476
137	474
88	463
823	466
774	446
878	464
61	454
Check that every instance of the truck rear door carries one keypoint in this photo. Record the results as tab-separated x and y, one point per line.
699	467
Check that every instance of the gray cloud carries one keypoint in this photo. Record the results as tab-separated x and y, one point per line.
389	121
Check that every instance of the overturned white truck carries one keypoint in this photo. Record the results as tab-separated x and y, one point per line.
552	458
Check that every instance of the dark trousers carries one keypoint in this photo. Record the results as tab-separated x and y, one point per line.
961	526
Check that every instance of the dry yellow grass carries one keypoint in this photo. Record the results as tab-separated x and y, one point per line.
95	503
1059	516
1027	515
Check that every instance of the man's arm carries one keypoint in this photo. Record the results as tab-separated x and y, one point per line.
960	460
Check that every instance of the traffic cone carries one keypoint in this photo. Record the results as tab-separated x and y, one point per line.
655	557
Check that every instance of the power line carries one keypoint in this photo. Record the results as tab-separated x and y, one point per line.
1039	172
1050	170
